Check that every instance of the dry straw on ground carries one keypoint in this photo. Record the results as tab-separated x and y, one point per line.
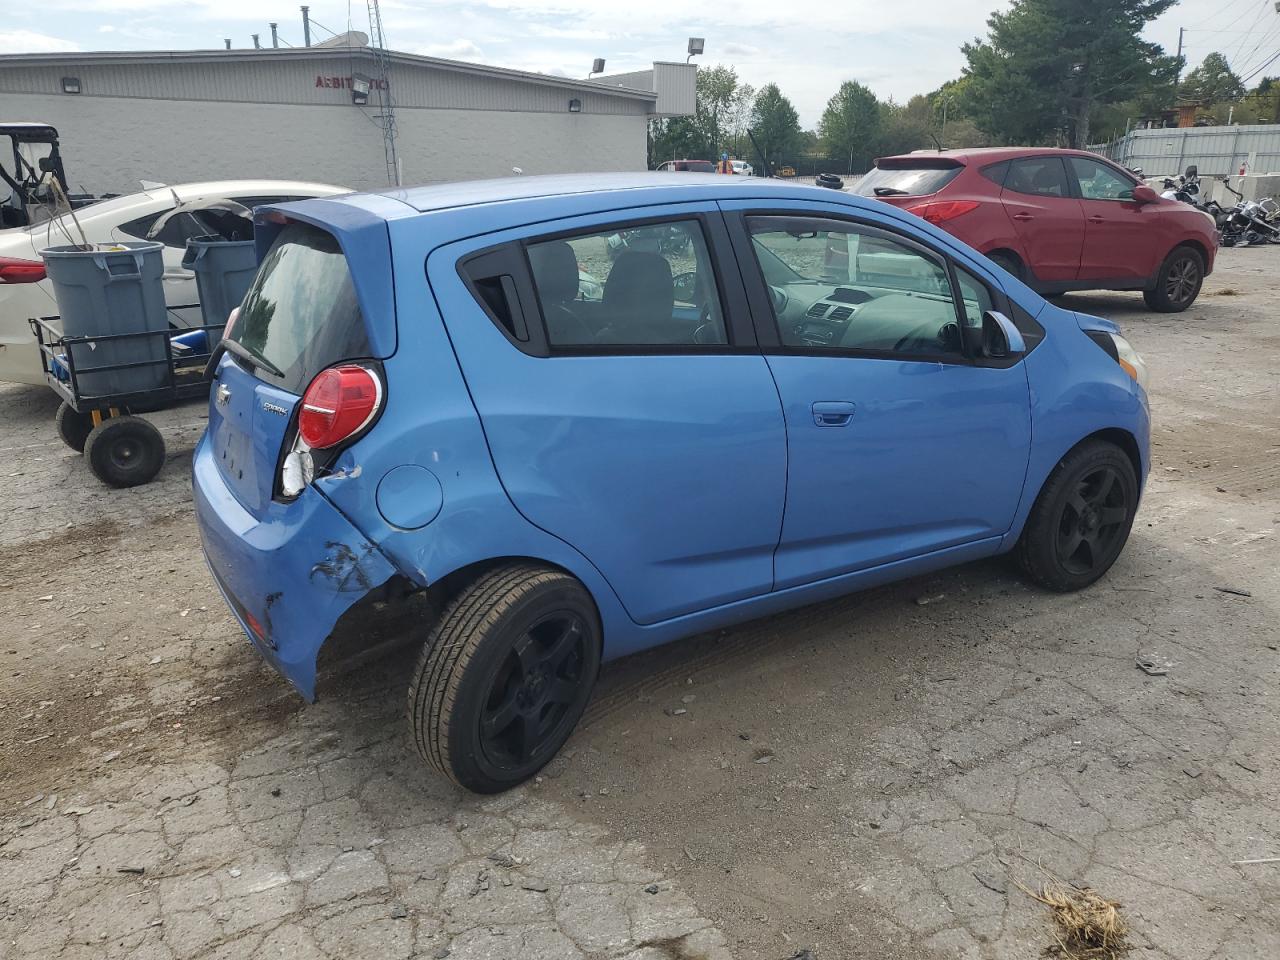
1087	926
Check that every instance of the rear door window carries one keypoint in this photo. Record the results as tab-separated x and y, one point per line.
913	180
644	285
301	313
1038	176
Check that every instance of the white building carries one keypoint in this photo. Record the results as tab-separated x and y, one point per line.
304	114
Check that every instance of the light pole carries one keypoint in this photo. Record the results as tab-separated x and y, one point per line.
696	46
597	66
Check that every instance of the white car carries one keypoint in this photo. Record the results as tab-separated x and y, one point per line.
24	291
742	168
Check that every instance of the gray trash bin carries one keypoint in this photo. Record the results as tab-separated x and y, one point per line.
114	290
224	269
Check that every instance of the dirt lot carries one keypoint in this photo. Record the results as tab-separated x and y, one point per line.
865	779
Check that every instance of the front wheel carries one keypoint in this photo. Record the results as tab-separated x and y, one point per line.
124	451
1081	520
504	676
1177	283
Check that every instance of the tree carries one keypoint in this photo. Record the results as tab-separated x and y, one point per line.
1046	66
775	123
1212	82
851	124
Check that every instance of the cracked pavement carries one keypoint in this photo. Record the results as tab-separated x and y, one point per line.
867	778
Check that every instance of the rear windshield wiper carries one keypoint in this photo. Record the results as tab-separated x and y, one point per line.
247	355
889	192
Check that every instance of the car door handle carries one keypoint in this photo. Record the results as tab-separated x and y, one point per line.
1024	216
1097	219
832	413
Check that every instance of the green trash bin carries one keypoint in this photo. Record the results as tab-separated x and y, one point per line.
107	290
224	270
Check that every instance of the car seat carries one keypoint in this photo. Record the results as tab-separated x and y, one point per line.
555	274
639	297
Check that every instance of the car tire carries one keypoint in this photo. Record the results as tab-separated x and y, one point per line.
124	451
1081	519
73	427
1178	281
1007	262
505	676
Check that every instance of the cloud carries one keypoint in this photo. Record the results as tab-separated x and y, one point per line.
27	41
453	50
740	49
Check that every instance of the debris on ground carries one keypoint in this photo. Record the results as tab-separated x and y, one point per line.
1087	925
1151	666
991	882
1234	591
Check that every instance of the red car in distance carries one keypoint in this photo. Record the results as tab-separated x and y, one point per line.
1056	219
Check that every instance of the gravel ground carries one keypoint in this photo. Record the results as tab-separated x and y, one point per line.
867	778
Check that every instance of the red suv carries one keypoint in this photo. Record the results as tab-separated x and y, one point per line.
1056	219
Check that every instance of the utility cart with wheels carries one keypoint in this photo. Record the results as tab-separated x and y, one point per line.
101	401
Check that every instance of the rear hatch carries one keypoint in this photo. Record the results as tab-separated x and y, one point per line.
300	316
902	181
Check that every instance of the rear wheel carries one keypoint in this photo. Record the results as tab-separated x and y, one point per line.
1081	520
124	451
1177	283
504	676
1007	262
73	427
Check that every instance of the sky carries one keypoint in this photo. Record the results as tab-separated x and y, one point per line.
807	49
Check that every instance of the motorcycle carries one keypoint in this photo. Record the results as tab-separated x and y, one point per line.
1247	222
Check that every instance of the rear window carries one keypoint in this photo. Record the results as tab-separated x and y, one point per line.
906	181
301	314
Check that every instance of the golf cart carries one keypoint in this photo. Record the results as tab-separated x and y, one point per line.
27	171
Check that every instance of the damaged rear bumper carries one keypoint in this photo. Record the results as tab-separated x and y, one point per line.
289	575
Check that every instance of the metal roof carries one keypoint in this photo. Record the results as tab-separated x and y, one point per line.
108	57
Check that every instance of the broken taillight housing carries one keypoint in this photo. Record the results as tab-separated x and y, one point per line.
13	270
340	402
940	211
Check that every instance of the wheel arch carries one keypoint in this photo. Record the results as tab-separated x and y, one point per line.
1192	243
1120	437
403	607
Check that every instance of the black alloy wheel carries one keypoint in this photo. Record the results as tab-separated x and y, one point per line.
1093	518
533	691
1081	519
505	675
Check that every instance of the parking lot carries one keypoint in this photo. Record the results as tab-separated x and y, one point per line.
873	777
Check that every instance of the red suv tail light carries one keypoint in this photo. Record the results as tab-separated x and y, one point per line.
340	402
940	211
13	270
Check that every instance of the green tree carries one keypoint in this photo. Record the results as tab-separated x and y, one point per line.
775	124
850	125
1046	66
1212	82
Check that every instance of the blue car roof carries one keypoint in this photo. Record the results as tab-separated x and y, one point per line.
656	188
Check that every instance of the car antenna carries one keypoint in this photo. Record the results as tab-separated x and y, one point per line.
936	142
768	171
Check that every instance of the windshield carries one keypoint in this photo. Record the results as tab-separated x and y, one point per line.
911	181
301	314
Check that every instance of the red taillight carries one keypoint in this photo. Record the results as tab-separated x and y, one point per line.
13	270
232	317
940	211
339	403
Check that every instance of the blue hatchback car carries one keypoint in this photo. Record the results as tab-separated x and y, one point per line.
593	414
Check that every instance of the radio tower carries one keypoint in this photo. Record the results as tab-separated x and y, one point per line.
386	115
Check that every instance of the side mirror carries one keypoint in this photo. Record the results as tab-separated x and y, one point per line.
1000	338
685	287
45	164
1144	194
